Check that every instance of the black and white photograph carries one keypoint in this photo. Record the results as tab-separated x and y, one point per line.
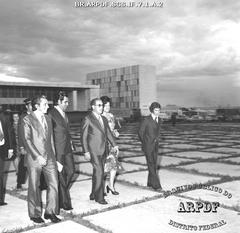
119	116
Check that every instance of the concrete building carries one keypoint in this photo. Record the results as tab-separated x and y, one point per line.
132	88
12	94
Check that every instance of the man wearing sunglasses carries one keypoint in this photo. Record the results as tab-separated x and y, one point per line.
95	135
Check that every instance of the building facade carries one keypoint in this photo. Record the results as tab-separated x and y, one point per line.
132	89
12	94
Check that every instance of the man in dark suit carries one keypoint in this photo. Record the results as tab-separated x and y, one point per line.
63	147
7	143
38	142
149	133
95	135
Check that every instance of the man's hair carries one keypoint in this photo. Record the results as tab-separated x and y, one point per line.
154	105
36	101
93	101
59	96
105	99
27	101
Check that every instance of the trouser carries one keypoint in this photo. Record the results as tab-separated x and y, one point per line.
22	171
2	183
34	192
65	177
153	178
98	162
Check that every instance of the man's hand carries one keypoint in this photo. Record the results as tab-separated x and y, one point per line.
116	133
116	150
42	161
10	153
87	156
22	151
73	146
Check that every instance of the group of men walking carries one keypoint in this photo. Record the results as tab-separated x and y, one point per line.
45	141
44	138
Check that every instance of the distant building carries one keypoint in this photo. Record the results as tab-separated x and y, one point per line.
132	88
12	94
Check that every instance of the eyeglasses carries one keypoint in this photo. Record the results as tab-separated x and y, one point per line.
99	105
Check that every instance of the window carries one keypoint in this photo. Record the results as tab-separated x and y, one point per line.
122	77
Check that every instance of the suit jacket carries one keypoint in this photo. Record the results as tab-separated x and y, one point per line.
20	129
9	137
149	133
36	141
94	136
61	134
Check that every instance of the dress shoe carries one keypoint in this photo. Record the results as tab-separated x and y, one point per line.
104	194
52	217
67	208
19	186
91	197
103	202
37	220
158	189
114	192
3	203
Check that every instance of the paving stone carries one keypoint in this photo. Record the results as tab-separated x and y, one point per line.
163	160
126	146
202	139
79	158
154	217
163	150
213	143
14	215
215	168
199	154
124	141
63	227
84	167
184	146
235	160
168	179
132	167
176	141
231	141
226	150
123	154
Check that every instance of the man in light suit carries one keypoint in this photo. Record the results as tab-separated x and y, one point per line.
95	135
38	142
7	143
63	148
149	134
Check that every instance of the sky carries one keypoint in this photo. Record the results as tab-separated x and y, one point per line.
194	44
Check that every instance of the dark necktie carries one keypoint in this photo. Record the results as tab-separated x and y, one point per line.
156	119
44	124
100	121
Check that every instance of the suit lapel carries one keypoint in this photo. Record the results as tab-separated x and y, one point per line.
37	124
60	117
97	123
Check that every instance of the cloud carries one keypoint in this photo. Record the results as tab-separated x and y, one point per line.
55	41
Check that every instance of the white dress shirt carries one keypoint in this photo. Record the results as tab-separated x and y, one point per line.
1	129
155	118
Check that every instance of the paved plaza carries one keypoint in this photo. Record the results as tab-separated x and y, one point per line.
199	163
